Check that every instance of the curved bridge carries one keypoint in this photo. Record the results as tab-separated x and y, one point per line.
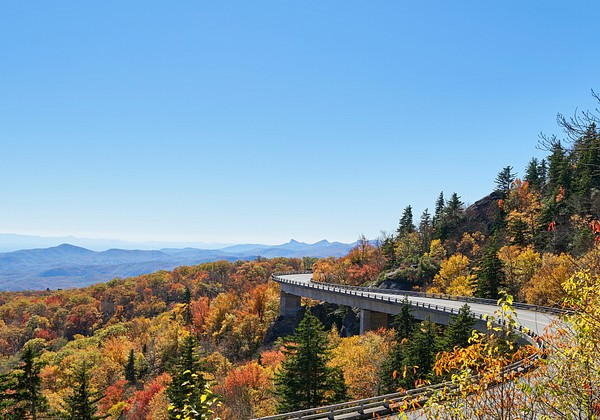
376	308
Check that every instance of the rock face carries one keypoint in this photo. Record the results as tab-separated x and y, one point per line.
481	215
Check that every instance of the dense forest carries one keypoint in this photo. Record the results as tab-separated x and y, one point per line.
206	341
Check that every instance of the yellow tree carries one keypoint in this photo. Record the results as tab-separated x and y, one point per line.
519	266
455	277
360	357
524	210
545	286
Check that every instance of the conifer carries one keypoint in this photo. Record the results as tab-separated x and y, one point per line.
305	380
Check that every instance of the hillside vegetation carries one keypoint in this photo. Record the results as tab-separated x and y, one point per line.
172	343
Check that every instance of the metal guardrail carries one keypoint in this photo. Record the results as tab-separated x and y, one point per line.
443	296
375	294
383	404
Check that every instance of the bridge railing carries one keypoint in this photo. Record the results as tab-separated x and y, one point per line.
444	296
375	294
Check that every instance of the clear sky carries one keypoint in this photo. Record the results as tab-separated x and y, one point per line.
261	121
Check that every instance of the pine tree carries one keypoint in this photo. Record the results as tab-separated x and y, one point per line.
420	354
406	222
504	180
425	230
459	330
82	404
305	380
188	391
404	325
29	385
388	250
440	204
533	175
130	375
8	397
187	308
450	217
559	170
490	276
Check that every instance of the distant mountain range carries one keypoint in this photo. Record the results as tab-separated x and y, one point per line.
66	265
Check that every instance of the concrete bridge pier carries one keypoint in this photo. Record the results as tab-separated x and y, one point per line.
371	320
288	303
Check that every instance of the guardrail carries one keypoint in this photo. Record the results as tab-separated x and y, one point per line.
376	294
443	296
383	404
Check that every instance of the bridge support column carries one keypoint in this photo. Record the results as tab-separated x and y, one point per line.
288	303
371	320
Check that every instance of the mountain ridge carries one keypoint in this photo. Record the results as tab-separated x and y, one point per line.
67	265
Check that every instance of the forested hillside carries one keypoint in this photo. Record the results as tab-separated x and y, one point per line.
172	343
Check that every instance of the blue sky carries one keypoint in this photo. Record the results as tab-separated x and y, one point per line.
261	121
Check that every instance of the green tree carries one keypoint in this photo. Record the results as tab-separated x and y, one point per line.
535	174
459	330
21	389
8	397
504	180
305	380
130	375
559	170
420	354
82	403
387	248
404	325
450	217
29	385
188	391
187	308
425	230
490	276
440	204
406	225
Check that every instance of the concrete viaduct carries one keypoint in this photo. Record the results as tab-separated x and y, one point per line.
376	307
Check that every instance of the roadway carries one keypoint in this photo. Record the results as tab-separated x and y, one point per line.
535	320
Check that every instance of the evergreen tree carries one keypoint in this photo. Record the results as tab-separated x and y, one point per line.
392	368
406	222
187	308
543	172
29	386
21	389
130	375
388	250
425	230
533	175
188	385
420	354
504	180
459	330
559	170
490	276
450	217
586	156
404	321
305	380
440	204
82	404
8	397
